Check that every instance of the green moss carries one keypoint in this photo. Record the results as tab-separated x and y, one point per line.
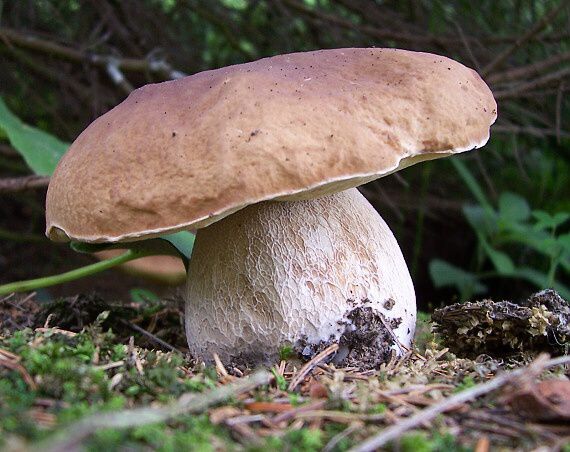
89	372
424	337
189	432
379	408
286	352
415	442
422	442
280	380
294	399
305	439
466	383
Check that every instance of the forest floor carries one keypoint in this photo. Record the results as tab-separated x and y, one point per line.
80	373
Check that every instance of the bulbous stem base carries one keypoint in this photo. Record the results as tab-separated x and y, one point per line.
278	273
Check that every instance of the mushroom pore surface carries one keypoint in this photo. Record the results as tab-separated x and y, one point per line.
280	272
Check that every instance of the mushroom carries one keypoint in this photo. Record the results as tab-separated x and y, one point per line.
263	159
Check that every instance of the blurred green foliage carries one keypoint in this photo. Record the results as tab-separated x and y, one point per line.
516	241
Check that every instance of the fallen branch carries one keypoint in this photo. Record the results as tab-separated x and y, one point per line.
23	40
530	69
537	28
539	132
117	76
558	111
17	184
541	363
517	89
71	437
378	33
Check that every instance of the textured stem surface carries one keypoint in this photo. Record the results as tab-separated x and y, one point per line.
279	272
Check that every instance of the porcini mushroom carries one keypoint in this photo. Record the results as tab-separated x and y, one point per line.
262	158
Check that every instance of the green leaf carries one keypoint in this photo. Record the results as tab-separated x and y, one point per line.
179	244
513	208
89	248
183	241
40	150
561	218
445	274
142	295
564	240
235	4
547	221
565	262
471	183
482	220
501	261
538	240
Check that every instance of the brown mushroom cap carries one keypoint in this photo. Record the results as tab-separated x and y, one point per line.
183	154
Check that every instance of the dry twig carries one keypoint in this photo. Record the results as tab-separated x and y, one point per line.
52	48
220	368
311	365
340	436
11	361
538	27
394	432
151	336
18	184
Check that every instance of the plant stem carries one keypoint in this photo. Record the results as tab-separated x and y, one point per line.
88	270
554	260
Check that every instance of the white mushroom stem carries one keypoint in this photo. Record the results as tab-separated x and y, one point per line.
277	272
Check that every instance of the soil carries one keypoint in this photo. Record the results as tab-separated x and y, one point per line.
249	360
161	321
369	339
17	313
367	342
